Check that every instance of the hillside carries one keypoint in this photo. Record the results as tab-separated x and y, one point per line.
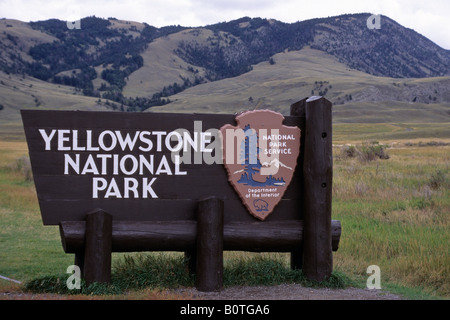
380	75
357	96
24	92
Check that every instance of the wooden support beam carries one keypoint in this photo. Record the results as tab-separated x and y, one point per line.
318	175
79	261
298	110
209	268
97	253
130	236
190	257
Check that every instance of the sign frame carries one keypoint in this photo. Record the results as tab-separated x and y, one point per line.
201	215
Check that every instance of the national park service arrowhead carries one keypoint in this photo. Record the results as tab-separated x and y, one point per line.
260	155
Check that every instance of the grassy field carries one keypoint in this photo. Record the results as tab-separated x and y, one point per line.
394	214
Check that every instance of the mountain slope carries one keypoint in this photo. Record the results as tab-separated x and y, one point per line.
16	40
356	96
369	75
24	92
391	51
100	57
163	67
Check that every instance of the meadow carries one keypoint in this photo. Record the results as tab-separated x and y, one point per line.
394	213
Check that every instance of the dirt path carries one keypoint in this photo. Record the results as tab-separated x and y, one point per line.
279	292
290	292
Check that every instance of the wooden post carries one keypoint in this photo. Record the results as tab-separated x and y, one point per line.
97	253
318	176
298	109
191	260
209	245
79	261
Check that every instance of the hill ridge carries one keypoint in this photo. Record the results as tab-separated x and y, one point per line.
231	49
119	65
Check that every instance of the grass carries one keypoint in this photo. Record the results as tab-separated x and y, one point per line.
415	132
24	92
162	271
394	214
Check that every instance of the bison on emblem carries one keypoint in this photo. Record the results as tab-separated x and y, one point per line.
261	205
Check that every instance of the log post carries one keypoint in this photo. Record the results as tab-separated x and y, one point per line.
79	261
209	266
97	253
318	175
190	257
298	110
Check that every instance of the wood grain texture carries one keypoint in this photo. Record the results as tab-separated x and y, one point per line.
209	250
318	178
129	236
97	249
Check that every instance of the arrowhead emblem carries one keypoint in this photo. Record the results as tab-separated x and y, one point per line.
260	155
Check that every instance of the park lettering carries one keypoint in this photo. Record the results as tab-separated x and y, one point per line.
87	153
278	144
127	164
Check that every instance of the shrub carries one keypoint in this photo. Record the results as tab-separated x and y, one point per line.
437	180
372	151
349	151
23	166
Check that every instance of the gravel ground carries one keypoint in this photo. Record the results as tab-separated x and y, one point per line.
279	292
290	292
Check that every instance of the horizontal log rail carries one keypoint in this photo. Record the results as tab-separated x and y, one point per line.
129	236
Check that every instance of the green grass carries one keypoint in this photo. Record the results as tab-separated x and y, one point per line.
358	132
394	214
161	271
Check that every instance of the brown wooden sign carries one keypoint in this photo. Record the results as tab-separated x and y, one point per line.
138	167
260	155
119	182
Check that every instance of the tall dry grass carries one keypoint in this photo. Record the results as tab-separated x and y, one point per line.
395	213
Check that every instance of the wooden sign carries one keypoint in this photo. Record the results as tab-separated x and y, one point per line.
135	166
260	155
124	182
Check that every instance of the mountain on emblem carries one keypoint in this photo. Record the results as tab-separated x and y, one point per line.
260	156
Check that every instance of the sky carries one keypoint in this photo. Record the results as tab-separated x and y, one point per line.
430	18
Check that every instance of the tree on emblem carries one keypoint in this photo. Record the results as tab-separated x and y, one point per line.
252	165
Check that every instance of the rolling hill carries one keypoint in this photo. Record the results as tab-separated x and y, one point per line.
388	75
357	96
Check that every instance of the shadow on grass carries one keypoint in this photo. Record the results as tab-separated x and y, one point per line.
164	272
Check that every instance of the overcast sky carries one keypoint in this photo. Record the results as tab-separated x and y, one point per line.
431	18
